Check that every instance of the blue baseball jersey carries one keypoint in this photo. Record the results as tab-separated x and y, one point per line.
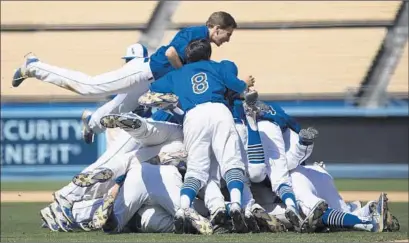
281	118
160	64
199	82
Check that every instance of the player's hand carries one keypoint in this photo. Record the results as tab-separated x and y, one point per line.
250	81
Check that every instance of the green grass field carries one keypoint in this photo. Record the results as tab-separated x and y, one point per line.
342	185
20	222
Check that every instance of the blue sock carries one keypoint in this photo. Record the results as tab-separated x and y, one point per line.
189	191
235	183
337	219
255	150
286	193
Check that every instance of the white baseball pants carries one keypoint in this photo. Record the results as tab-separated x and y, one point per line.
135	72
122	103
151	185
313	183
207	128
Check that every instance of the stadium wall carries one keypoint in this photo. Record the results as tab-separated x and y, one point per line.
43	140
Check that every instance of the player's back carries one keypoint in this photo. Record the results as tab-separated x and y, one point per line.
159	62
198	83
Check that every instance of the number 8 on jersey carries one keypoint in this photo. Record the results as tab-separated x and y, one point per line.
199	83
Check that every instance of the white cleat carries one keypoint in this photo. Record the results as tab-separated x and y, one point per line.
48	219
189	218
60	219
87	133
103	212
65	206
380	210
200	223
159	100
85	226
267	222
124	120
87	179
173	158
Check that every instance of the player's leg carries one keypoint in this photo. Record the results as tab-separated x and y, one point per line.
299	146
147	131
135	72
197	139
226	146
122	103
277	168
257	168
319	214
212	196
326	189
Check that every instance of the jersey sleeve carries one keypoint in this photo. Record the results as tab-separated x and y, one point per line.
232	82
180	43
163	85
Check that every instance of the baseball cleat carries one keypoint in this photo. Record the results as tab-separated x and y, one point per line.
103	212
87	179
65	206
87	133
380	210
310	223
251	222
173	158
218	217
59	218
292	214
267	222
85	226
179	221
186	220
48	219
308	135
201	224
125	120
163	101
391	223
21	73
239	224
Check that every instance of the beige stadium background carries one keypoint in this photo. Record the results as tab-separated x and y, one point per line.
305	61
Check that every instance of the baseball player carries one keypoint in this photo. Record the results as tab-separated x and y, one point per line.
208	127
261	142
137	72
314	189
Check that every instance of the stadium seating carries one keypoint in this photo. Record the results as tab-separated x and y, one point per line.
304	61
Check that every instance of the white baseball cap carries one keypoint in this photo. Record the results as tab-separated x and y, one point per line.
136	51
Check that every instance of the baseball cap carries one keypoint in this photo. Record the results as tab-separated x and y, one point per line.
136	51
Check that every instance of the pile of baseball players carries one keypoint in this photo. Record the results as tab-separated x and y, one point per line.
191	149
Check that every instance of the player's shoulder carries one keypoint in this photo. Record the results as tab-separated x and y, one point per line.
199	31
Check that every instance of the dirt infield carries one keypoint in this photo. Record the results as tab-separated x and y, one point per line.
46	196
